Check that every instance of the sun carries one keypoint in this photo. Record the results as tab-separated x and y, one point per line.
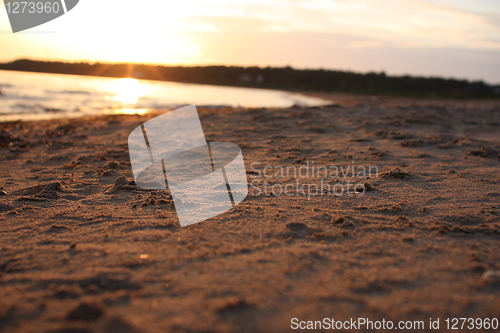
127	90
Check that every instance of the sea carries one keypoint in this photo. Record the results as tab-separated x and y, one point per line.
37	96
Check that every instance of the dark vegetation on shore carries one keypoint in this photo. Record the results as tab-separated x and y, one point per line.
284	78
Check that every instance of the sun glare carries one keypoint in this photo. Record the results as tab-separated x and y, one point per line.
127	91
129	111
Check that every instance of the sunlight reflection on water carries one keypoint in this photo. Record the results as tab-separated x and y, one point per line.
30	96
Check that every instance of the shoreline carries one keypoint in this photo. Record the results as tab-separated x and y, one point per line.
336	99
282	78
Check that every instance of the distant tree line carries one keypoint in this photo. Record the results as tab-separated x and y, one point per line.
285	78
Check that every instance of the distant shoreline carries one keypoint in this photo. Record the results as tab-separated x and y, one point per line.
286	78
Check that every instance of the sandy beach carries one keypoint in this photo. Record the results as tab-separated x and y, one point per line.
83	249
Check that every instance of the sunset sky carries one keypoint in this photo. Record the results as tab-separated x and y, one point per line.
451	38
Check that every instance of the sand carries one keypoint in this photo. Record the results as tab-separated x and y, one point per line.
82	249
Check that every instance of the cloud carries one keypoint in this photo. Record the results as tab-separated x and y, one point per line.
405	23
365	44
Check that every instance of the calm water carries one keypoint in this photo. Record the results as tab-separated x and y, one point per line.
28	96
